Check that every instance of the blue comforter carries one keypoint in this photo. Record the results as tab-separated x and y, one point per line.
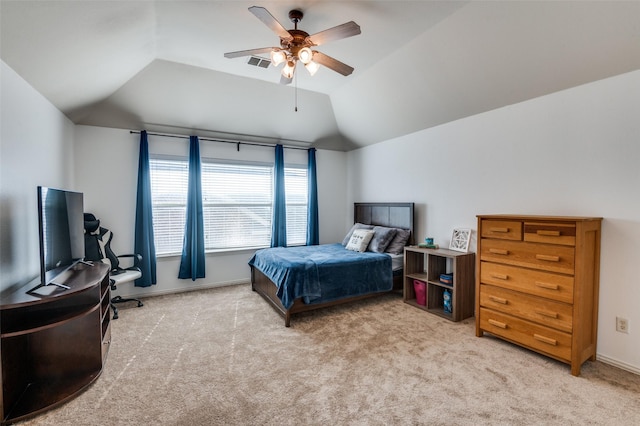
323	273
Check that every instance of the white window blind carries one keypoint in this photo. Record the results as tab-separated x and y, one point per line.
296	189
236	199
169	181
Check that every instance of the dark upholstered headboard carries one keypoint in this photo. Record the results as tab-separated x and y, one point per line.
392	215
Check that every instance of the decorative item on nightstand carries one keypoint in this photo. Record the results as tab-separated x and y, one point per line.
460	239
428	243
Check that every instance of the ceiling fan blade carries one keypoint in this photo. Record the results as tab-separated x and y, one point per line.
285	80
249	52
267	18
331	63
348	29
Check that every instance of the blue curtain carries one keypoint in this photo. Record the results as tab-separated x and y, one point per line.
144	244
192	261
313	230
279	219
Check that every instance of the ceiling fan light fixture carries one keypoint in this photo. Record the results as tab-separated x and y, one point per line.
278	57
288	69
296	44
305	55
312	67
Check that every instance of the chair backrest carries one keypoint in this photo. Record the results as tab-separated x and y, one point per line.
97	242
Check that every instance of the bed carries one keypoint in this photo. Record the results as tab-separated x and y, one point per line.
300	279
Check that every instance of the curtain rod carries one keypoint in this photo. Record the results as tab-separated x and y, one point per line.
237	143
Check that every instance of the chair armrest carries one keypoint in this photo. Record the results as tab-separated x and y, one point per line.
136	260
136	264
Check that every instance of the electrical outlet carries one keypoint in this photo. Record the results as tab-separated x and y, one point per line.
622	325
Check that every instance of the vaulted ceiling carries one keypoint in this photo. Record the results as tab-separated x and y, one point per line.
159	65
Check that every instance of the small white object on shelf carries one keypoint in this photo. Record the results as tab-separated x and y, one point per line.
460	239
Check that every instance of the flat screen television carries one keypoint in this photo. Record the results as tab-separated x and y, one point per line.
61	234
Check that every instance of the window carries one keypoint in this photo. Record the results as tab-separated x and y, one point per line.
236	201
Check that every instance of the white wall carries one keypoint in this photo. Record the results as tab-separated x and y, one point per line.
106	171
575	152
36	148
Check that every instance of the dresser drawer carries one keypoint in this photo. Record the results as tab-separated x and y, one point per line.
542	311
553	233
543	339
545	257
502	229
539	283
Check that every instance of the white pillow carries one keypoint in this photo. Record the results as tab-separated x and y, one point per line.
360	240
355	226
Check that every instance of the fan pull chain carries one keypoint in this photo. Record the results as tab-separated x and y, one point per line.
296	92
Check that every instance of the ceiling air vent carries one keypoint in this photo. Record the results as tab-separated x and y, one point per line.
259	62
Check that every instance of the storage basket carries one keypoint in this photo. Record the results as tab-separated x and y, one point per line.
420	289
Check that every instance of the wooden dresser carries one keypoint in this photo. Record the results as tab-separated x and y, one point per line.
537	280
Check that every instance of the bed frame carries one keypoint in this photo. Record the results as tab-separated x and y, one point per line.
396	215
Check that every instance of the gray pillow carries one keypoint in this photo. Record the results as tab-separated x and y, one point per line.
396	246
381	238
353	228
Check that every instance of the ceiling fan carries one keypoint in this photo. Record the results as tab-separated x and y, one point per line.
296	45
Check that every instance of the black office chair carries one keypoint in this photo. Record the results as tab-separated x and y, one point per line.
97	247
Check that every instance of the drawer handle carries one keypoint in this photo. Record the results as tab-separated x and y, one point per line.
500	276
548	286
498	323
501	230
548	233
548	258
499	251
498	300
546	340
547	314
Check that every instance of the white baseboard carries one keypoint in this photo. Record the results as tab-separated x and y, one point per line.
192	287
617	363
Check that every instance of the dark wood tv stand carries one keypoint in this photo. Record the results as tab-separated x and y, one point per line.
53	344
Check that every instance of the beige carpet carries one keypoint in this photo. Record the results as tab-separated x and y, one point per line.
224	357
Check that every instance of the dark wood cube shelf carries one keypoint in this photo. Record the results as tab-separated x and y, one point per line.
426	265
53	344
